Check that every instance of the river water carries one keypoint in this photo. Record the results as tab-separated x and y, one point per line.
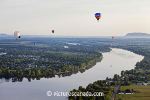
113	62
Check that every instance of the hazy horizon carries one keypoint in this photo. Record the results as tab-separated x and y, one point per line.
74	18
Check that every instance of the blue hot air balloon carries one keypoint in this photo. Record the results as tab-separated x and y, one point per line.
98	16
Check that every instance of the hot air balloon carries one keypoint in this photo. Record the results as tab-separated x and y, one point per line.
97	16
53	31
112	37
17	34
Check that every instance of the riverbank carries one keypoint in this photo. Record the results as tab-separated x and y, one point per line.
36	89
18	73
113	82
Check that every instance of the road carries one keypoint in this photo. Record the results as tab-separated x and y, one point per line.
116	88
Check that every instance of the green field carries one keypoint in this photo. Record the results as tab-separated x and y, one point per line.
142	93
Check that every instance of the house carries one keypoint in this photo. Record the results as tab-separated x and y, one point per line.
142	84
127	91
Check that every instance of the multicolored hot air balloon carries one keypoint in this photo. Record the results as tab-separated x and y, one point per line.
17	34
97	16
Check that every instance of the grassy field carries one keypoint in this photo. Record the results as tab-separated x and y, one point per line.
142	93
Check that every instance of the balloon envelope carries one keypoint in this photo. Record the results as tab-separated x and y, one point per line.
17	34
97	16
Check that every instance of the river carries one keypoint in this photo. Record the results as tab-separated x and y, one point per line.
113	62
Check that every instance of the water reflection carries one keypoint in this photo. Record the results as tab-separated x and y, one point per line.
20	79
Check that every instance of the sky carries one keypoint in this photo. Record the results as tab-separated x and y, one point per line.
74	17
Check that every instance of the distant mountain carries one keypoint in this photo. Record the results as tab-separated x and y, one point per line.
137	35
3	34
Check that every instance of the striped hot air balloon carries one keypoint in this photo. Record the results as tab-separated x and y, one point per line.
97	16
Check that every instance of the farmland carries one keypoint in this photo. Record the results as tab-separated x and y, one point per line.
141	93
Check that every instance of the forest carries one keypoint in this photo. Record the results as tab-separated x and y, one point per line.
23	59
